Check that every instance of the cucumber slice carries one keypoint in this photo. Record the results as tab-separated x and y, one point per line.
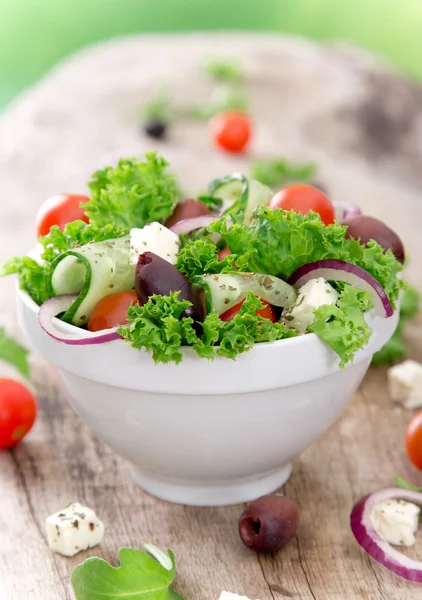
93	271
240	196
225	290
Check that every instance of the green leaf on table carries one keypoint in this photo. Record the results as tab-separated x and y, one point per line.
14	354
278	172
223	70
401	482
158	107
139	577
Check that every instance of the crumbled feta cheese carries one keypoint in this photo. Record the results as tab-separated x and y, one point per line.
396	521
155	238
405	383
230	596
312	295
73	529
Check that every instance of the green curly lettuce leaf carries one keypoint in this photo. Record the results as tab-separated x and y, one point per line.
133	193
200	256
34	278
159	328
278	242
342	326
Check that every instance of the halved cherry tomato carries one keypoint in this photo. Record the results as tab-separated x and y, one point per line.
413	440
60	210
18	411
267	312
231	131
111	311
302	198
223	253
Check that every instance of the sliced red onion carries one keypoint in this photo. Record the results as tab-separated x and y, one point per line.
340	270
186	226
344	210
372	542
60	304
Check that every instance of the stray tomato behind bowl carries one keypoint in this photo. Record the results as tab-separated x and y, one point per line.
231	131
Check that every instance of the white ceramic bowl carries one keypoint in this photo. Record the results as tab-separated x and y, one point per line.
206	432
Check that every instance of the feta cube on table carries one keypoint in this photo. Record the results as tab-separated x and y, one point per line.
396	521
312	295
405	383
155	238
73	529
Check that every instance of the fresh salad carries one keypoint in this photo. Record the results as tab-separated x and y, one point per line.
237	266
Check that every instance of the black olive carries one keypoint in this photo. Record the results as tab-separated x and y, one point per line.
155	128
154	275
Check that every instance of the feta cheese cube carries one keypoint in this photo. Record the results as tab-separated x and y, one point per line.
230	596
73	529
155	238
405	383
312	295
396	521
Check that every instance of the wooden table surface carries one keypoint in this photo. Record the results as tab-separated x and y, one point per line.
61	461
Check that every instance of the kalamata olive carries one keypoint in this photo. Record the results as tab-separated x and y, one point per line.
156	128
366	228
154	275
186	210
269	523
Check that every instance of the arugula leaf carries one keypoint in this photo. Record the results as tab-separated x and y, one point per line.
395	349
223	70
342	326
401	482
159	107
278	172
201	256
132	194
34	278
14	354
224	98
139	577
157	327
278	242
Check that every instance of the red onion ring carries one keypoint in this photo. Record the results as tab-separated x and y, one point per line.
186	226
372	542
340	270
344	210
59	304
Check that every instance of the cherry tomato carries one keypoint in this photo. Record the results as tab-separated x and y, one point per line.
223	253
267	312
112	310
413	440
60	210
231	131
18	411
302	198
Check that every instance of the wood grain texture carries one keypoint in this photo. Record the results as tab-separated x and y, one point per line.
361	123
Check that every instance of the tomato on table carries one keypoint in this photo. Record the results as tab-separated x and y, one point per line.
60	210
111	311
302	198
18	411
267	312
413	440
231	131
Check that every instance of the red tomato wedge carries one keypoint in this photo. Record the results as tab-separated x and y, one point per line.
111	311
60	210
302	198
18	411
267	312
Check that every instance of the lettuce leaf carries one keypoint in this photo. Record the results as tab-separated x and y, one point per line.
35	279
201	256
132	194
158	327
342	326
278	242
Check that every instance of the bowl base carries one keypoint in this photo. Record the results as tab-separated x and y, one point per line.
205	493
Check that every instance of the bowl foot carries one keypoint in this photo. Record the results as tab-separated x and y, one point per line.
181	491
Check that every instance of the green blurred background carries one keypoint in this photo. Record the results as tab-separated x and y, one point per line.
35	34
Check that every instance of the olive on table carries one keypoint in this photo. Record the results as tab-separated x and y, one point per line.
155	128
154	275
366	228
269	523
187	209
